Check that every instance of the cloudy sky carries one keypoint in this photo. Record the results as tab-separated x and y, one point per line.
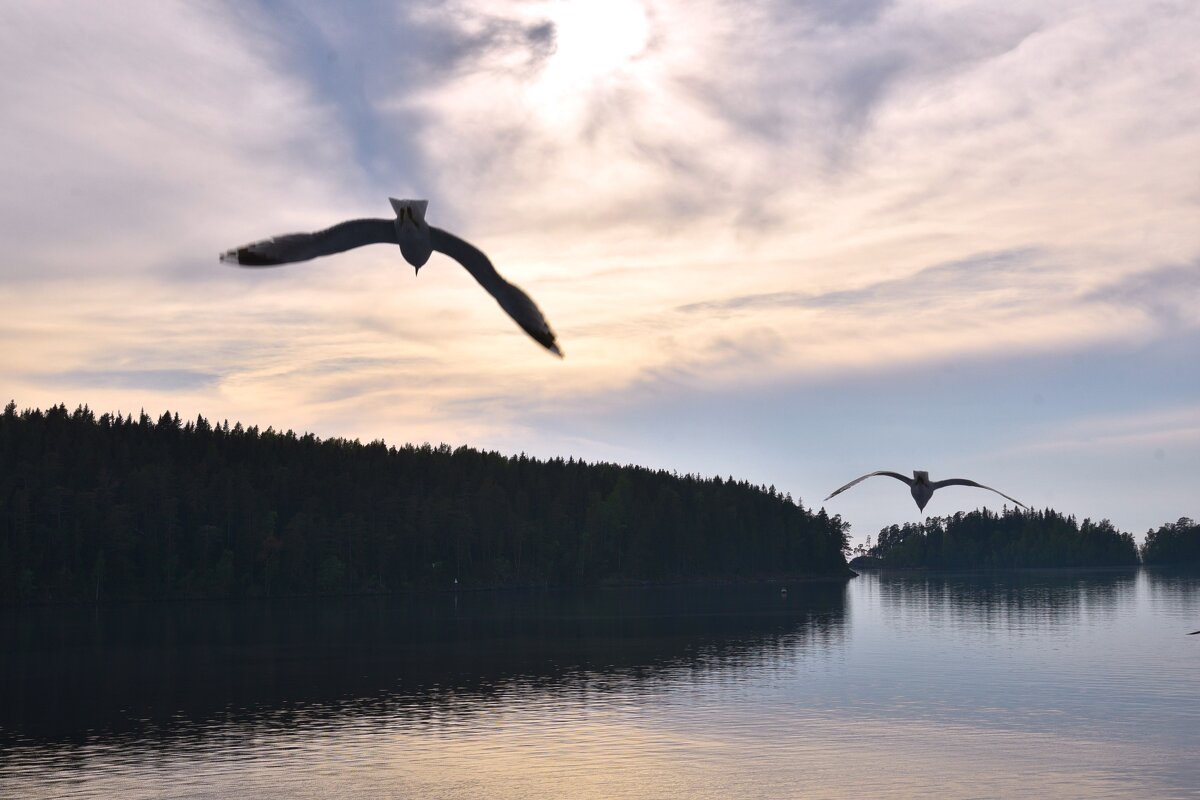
791	242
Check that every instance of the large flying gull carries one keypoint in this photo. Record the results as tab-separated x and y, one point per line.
417	240
922	488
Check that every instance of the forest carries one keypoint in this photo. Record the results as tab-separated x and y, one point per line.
122	508
986	540
1175	543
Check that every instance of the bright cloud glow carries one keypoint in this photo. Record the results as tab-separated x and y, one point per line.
593	39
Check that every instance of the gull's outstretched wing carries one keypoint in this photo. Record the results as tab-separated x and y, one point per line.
518	304
964	482
303	246
1193	633
895	475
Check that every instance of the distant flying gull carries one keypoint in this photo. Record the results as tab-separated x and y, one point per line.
417	240
922	488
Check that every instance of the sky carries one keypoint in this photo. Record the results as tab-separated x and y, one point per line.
790	242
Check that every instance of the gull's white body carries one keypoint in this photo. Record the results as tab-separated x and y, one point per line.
922	488
417	241
412	231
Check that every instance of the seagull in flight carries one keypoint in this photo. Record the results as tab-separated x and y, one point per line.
922	488
417	240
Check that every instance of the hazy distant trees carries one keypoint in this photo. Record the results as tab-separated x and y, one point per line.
986	540
1173	543
122	507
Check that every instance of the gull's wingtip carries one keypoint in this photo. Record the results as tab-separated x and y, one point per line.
248	256
1193	633
540	332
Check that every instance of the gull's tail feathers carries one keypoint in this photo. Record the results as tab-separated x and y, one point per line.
416	206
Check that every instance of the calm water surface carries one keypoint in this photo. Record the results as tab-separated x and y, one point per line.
1021	684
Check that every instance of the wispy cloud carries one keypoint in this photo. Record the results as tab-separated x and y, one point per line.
1169	295
151	379
1175	428
956	279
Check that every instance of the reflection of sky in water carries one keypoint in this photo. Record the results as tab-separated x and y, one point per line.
1050	685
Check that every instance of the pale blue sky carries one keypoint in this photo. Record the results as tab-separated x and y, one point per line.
790	241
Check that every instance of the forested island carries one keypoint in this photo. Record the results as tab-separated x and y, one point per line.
1175	543
117	507
1013	539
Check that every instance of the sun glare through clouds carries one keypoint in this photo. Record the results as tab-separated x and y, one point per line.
593	40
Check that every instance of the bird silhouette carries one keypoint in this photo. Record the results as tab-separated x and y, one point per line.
922	488
417	240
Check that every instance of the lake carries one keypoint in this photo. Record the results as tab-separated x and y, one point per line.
1048	684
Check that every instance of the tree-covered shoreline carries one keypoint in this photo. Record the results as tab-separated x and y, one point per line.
1173	544
1014	539
96	508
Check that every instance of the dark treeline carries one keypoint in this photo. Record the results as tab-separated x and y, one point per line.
1173	543
135	508
986	540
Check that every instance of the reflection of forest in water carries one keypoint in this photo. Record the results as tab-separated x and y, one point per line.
1030	598
1174	586
1016	599
170	671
